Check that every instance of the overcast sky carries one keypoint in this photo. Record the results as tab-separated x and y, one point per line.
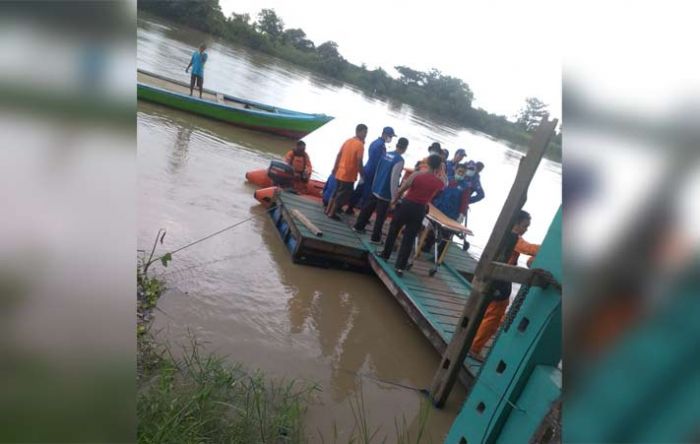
505	51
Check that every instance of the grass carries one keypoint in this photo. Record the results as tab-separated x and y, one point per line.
202	399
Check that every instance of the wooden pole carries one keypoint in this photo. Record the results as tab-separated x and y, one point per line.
307	223
476	304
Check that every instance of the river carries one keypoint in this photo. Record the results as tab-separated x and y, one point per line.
239	292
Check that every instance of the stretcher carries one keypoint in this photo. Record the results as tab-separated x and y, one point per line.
443	228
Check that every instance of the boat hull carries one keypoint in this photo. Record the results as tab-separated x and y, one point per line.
263	118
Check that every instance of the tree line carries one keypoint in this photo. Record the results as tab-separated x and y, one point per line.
433	92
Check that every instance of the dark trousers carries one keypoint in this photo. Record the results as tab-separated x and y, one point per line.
343	191
410	215
371	205
196	80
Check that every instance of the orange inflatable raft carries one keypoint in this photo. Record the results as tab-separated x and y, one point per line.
279	176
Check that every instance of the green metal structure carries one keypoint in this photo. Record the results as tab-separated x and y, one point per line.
244	113
519	383
646	388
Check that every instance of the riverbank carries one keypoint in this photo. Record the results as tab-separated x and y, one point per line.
190	395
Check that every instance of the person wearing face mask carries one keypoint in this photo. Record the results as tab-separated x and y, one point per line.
452	201
454	198
450	165
300	162
476	194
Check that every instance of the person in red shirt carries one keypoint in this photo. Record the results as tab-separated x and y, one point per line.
420	188
348	164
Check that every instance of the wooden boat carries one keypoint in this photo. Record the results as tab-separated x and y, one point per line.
244	113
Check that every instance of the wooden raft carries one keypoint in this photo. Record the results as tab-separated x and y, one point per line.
339	246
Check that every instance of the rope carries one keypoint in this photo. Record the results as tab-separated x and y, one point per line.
241	222
383	381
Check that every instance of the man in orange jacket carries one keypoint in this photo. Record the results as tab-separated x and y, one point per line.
301	163
496	310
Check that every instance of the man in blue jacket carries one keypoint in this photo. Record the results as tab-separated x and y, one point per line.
383	191
328	190
463	188
377	150
450	165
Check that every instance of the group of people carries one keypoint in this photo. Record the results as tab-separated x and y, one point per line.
451	185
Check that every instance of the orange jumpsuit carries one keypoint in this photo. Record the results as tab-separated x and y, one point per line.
302	167
496	310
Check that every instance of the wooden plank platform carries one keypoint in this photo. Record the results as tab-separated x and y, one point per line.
434	303
462	261
338	247
337	234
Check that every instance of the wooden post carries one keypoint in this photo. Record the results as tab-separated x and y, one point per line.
477	301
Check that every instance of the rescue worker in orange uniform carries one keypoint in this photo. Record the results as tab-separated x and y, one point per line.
301	163
515	245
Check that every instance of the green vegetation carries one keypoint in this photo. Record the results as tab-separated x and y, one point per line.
203	399
196	398
433	92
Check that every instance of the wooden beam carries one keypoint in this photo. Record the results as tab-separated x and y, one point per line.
476	304
307	223
510	273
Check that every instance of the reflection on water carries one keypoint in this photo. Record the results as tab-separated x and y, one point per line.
239	292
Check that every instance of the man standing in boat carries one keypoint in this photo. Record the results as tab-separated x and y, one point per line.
375	153
299	160
199	58
348	164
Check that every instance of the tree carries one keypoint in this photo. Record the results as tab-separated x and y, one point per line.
241	18
379	81
332	63
410	76
297	38
532	114
270	24
329	50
